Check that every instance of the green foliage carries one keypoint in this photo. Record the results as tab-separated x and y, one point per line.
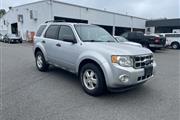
2	12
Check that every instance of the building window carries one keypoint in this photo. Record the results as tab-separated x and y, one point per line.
148	29
31	14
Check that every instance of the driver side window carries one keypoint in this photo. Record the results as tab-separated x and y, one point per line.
66	32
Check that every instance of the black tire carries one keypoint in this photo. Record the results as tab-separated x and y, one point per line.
5	41
9	41
175	45
20	41
146	45
44	64
100	87
153	49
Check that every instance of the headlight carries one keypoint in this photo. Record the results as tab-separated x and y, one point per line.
124	61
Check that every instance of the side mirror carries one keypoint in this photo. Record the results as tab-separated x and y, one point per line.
69	38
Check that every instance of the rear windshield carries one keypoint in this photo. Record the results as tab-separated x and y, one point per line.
40	30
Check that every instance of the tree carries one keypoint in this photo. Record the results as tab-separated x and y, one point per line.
2	12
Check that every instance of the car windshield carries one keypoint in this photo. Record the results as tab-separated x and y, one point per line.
92	33
121	39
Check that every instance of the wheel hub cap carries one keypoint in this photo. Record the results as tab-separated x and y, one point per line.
90	79
39	61
174	46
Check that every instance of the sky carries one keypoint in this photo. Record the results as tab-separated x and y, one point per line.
150	9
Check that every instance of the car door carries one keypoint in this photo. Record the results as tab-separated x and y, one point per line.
50	43
68	52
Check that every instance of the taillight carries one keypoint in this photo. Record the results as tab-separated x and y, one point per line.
157	40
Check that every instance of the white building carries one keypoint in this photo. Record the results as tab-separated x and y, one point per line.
25	19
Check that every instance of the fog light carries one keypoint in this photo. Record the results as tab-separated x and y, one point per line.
124	78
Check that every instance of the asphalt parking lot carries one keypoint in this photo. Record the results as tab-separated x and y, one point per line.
27	94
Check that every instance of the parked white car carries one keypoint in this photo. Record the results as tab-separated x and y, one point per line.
125	41
172	39
12	38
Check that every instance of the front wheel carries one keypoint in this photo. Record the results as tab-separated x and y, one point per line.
175	45
92	79
41	63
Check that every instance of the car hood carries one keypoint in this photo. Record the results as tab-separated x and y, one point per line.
117	49
133	43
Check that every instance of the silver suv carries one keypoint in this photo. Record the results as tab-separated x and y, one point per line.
100	62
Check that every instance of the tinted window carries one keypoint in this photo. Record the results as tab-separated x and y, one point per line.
52	32
172	35
40	30
65	31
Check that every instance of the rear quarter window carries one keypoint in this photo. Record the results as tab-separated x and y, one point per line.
40	30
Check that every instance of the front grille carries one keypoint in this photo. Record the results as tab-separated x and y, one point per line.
144	77
142	61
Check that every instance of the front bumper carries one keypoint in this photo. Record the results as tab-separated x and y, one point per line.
136	76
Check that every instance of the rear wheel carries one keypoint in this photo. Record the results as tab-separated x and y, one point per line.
6	40
153	49
20	41
41	63
92	79
175	45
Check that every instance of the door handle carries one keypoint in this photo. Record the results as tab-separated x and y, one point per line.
58	45
43	41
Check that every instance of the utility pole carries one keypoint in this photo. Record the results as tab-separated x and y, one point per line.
132	24
51	9
114	21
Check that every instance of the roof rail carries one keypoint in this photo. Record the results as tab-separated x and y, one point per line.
55	21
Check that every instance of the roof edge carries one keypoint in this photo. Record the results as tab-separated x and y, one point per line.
99	9
56	1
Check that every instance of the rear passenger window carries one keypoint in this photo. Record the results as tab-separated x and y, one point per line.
40	30
65	31
52	32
